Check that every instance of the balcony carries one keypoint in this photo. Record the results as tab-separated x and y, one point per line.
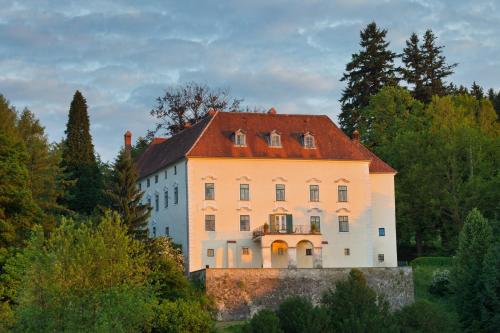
294	229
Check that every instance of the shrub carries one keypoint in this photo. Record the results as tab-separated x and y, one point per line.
440	284
264	321
297	315
423	316
181	316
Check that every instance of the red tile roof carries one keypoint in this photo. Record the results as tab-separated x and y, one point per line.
212	137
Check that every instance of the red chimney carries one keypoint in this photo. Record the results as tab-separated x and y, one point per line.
128	139
212	112
355	135
271	111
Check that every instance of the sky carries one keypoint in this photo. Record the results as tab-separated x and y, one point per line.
289	55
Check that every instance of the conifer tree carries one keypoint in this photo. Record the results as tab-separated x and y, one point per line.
490	316
79	161
125	197
474	243
413	71
477	91
367	72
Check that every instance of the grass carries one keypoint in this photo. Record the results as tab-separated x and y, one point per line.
229	326
423	269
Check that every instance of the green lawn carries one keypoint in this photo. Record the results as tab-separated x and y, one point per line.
229	326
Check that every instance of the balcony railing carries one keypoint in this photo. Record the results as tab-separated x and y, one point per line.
300	229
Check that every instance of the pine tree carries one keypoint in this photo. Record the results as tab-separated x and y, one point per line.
495	101
477	91
414	72
367	72
125	197
490	316
79	161
474	243
435	67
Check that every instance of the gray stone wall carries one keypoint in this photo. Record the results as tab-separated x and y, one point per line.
238	292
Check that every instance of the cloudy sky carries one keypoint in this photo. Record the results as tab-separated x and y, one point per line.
286	54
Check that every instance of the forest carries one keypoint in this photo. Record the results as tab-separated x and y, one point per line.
75	255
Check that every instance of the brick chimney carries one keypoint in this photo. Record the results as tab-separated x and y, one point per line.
355	135
128	140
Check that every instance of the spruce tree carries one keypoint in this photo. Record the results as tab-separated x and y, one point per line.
367	72
125	197
477	91
79	161
413	70
435	67
490	315
474	243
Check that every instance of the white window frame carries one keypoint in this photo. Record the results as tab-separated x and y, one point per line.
274	139
308	141
240	139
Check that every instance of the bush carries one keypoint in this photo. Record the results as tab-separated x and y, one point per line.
264	321
440	284
432	261
181	316
425	317
298	315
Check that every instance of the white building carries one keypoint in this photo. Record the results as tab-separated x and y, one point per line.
270	190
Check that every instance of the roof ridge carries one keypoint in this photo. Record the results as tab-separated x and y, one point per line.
202	132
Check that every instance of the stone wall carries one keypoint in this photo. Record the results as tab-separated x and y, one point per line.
238	293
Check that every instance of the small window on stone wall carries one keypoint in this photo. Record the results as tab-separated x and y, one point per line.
347	252
381	257
210	252
309	252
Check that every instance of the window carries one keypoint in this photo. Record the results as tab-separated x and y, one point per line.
149	202
140	186
167	231
244	222
154	231
166	175
209	222
347	252
244	192
156	179
245	251
175	169
309	141
280	192
381	231
381	257
309	252
239	138
343	223
176	195
165	194
280	251
315	223
342	193
314	193
157	202
210	252
148	182
274	139
209	191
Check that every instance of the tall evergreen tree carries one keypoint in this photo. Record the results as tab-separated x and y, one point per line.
495	100
367	72
125	197
490	316
475	240
79	161
477	91
413	71
435	67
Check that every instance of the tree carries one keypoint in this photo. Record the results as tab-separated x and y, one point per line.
367	72
79	161
424	317
126	198
85	279
413	71
494	99
354	307
187	104
297	315
490	278
181	316
264	321
435	67
477	91
474	243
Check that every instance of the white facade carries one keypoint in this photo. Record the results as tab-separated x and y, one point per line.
370	240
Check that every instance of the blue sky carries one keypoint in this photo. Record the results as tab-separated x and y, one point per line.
286	54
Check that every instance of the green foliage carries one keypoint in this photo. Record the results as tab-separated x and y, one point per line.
85	279
181	316
354	307
297	315
125	197
490	279
475	241
79	161
424	317
264	321
367	72
440	284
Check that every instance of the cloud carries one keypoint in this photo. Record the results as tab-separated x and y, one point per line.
286	54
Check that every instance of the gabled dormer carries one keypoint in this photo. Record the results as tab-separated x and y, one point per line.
308	141
240	138
274	139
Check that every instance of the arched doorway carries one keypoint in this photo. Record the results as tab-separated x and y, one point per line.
305	251
279	254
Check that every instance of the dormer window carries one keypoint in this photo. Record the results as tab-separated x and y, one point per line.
274	139
308	141
240	139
